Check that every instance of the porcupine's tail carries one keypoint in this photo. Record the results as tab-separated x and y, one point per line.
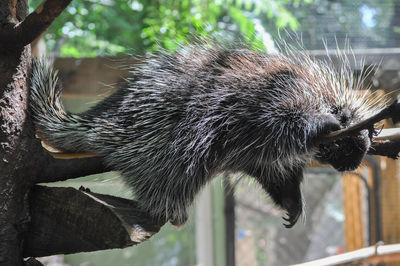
54	124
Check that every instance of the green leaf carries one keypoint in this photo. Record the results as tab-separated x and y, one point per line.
100	27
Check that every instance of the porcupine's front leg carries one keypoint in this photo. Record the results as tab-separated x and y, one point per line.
285	192
283	183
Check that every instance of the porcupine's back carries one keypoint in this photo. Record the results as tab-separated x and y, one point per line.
182	98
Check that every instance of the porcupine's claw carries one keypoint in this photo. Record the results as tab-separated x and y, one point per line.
292	217
290	221
293	205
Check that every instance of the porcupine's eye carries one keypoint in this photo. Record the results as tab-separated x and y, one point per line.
342	114
335	110
345	117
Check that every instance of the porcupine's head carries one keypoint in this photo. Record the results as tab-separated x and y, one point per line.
349	103
337	98
345	154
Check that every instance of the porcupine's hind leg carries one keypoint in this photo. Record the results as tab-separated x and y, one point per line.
166	200
180	196
164	205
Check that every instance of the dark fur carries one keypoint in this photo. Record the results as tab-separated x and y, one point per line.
188	116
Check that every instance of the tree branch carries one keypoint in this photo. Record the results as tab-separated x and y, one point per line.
392	111
60	169
387	143
55	169
66	220
34	24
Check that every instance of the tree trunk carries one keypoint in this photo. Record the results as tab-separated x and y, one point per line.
14	138
23	162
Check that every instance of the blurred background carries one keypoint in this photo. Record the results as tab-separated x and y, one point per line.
233	222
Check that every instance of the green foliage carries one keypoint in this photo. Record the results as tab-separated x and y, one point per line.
110	27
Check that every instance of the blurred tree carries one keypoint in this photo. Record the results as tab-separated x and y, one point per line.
108	27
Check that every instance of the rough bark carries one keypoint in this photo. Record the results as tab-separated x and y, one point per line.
88	222
14	144
20	33
21	154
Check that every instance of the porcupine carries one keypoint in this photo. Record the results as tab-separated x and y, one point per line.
184	117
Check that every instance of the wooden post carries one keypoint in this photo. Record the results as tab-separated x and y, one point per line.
390	202
352	205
